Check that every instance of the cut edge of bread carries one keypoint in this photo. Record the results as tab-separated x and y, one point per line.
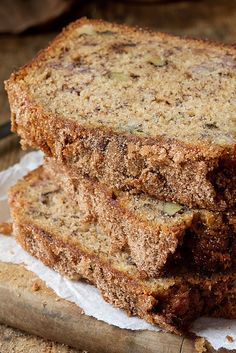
172	305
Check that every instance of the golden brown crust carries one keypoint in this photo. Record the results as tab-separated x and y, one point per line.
195	174
173	303
155	246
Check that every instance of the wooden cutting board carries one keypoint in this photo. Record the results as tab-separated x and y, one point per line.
27	304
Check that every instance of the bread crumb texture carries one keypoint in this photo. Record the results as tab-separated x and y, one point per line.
200	345
145	85
56	234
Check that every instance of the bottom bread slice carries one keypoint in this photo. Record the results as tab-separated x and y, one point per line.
51	226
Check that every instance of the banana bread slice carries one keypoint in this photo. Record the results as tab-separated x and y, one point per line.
51	226
159	235
135	109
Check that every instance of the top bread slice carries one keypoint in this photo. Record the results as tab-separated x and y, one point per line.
134	109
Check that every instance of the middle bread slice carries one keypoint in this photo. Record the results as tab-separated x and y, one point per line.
51	227
159	236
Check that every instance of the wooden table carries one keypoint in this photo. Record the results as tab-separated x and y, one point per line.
12	340
215	21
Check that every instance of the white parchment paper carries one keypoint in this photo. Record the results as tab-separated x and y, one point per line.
84	295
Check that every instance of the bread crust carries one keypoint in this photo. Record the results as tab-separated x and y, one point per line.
172	303
163	167
156	247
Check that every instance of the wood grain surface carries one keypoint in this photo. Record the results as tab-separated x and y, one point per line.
15	341
15	51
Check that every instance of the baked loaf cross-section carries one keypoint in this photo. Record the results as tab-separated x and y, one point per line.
135	109
53	228
160	236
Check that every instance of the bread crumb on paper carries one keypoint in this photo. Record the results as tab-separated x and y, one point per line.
6	228
36	287
200	345
229	338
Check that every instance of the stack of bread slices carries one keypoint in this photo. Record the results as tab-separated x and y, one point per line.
137	194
